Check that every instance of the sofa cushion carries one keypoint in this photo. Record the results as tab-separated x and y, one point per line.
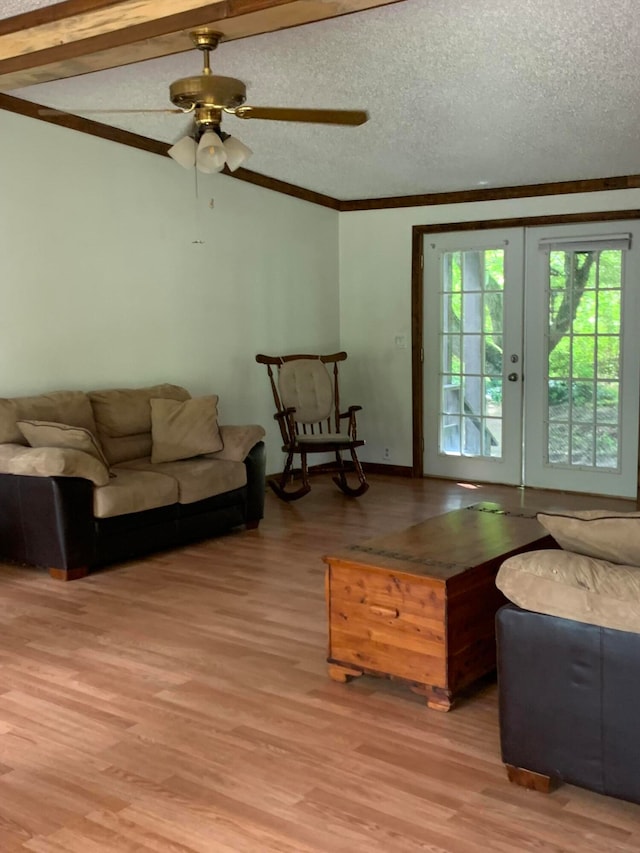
134	491
9	432
574	586
238	441
123	419
48	434
66	407
608	535
196	479
184	429
51	462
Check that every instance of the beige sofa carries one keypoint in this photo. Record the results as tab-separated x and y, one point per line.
93	478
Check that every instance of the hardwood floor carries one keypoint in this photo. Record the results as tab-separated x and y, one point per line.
181	703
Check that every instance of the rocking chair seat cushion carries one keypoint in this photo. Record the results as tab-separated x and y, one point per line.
339	439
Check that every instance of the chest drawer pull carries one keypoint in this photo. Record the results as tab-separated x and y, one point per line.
379	610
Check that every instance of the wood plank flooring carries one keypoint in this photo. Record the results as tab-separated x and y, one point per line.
181	703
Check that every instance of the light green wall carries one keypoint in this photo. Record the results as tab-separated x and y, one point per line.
102	285
375	302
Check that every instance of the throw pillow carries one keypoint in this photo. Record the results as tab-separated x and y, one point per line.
181	430
51	434
613	536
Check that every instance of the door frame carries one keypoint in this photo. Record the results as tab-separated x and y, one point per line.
417	302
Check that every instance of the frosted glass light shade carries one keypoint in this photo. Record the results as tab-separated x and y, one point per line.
211	155
237	152
184	152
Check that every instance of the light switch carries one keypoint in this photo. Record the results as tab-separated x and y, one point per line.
401	341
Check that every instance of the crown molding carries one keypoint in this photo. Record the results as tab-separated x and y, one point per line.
153	146
283	187
84	125
589	185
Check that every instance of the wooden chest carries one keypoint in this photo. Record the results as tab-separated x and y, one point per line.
420	604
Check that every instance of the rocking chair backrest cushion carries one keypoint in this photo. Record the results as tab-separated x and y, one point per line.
305	385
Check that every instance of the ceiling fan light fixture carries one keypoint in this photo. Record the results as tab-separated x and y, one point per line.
184	152
237	152
211	155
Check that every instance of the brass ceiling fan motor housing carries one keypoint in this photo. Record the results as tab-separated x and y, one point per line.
207	89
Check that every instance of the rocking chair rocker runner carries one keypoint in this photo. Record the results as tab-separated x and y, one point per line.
308	412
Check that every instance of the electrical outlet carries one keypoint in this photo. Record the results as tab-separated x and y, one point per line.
386	453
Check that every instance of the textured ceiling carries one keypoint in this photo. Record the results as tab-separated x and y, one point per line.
460	95
16	7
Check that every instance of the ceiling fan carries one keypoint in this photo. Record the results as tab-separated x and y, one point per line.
208	96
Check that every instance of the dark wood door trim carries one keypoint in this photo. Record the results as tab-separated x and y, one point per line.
417	303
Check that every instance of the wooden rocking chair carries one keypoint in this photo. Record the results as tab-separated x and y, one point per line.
308	412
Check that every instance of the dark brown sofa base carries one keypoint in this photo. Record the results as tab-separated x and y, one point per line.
569	694
48	521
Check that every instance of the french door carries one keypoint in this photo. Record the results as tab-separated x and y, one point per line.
532	356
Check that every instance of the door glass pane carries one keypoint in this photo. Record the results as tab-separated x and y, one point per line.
558	443
608	348
471	356
606	446
583	346
607	402
472	353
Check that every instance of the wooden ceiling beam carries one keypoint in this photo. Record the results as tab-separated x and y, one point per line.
81	36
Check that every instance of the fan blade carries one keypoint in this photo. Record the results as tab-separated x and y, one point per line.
352	117
52	112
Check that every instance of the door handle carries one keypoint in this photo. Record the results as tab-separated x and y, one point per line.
512	377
